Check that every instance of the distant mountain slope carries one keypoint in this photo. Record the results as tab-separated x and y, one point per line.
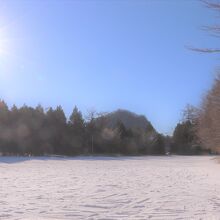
129	119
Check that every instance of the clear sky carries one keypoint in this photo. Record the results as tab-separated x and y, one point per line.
107	55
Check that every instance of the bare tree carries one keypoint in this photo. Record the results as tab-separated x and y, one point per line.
209	120
190	113
214	30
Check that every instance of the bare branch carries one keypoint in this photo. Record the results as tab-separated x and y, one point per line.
212	5
203	50
215	28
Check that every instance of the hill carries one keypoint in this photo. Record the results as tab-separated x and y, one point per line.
129	119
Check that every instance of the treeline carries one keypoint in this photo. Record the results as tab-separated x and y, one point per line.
200	129
185	138
34	131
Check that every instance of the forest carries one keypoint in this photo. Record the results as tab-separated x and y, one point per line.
33	131
36	131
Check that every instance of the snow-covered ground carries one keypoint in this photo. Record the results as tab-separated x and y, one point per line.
175	187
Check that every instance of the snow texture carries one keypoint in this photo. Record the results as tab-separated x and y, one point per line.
176	187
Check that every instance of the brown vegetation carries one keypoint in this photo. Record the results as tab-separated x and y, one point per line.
209	120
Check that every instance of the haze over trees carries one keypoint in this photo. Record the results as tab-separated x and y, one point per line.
34	131
185	138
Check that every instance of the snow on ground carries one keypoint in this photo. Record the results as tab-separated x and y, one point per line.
176	187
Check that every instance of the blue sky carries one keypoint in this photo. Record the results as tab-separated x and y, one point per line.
106	55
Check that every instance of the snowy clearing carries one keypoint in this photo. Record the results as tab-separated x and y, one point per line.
176	187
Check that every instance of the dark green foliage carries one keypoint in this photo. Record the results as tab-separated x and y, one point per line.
185	139
34	131
158	146
76	132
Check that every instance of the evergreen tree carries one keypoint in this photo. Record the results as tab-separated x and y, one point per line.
76	131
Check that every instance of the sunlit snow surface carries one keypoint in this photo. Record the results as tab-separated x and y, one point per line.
175	187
